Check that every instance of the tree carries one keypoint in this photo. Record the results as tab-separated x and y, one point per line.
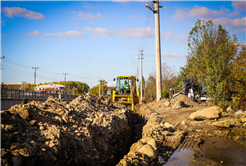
211	52
103	88
168	81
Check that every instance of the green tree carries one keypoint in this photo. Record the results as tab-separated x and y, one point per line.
103	88
210	54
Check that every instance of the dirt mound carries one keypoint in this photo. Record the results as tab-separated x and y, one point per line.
185	99
85	132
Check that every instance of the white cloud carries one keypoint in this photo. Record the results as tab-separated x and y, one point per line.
172	55
200	12
21	12
69	34
237	24
80	15
240	5
101	31
134	32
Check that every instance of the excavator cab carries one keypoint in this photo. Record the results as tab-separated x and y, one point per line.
128	96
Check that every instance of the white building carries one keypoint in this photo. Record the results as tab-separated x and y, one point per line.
50	87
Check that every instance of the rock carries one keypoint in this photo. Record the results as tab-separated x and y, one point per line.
17	160
150	141
167	125
9	127
229	109
239	112
123	162
178	104
33	122
167	103
149	151
224	114
207	113
244	114
234	121
88	120
221	124
23	113
243	119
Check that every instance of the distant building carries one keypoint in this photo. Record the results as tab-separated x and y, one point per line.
50	88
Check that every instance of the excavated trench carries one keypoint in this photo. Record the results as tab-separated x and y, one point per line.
93	131
87	131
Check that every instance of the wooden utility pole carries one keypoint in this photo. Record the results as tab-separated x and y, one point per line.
141	76
35	76
155	10
1	69
65	75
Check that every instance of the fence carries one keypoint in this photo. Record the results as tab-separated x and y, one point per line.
19	94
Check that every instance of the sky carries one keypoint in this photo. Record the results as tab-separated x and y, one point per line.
92	40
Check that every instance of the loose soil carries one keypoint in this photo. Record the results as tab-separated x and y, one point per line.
95	131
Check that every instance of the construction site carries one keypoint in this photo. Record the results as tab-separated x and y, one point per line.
96	131
163	117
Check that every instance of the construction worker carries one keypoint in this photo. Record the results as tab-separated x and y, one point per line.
125	87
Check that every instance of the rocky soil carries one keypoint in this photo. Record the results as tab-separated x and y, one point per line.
195	126
95	131
87	131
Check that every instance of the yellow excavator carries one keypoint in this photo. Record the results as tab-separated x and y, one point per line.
130	96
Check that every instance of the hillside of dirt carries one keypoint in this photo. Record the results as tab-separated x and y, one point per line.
88	131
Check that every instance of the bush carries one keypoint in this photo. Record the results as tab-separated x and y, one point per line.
165	94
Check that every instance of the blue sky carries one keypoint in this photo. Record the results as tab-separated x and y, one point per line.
100	39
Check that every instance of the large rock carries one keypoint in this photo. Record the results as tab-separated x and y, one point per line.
178	104
207	113
150	141
221	124
149	151
23	112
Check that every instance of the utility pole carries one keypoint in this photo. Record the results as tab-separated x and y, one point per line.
141	76
1	68
155	10
101	87
137	79
35	76
65	75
